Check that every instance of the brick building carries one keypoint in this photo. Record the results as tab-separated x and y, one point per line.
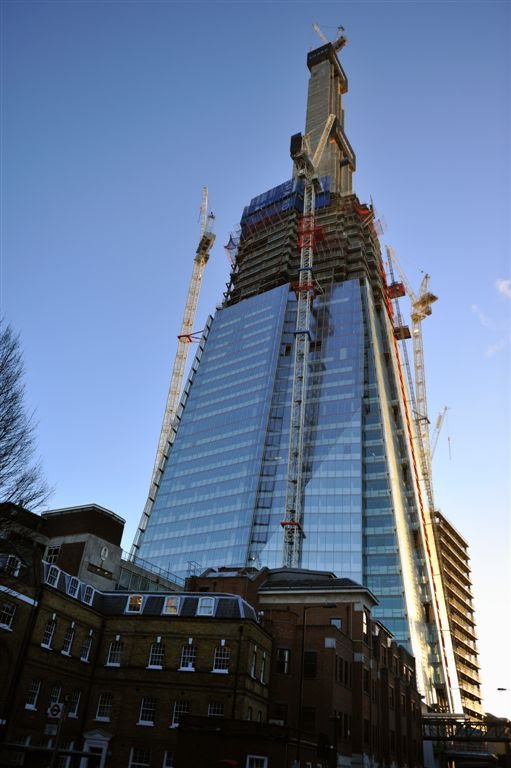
259	669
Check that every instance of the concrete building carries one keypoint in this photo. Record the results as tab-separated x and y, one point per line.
455	569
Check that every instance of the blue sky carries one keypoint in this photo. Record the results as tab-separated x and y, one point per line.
114	115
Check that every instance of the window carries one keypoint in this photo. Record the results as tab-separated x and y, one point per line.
139	758
249	713
55	694
181	707
12	565
310	663
170	606
168	759
74	703
283	659
88	595
263	669
52	576
114	653
365	630
86	648
33	694
206	606
52	555
134	604
256	761
336	622
68	640
156	655
7	611
309	719
73	586
216	709
64	761
222	658
147	711
188	657
279	713
48	633
105	704
253	665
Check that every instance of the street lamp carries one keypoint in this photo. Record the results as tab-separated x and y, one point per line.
302	661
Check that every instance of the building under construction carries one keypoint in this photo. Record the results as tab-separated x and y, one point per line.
296	443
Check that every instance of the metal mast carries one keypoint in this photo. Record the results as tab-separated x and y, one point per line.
206	241
421	308
306	169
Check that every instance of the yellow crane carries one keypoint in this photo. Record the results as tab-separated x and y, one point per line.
168	428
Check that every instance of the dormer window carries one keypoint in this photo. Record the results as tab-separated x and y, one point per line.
73	586
206	606
134	604
88	595
52	576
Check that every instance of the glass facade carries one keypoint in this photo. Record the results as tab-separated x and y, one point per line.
222	497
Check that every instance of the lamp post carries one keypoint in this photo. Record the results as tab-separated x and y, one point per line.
305	608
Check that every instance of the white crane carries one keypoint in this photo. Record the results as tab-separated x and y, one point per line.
306	169
421	308
206	241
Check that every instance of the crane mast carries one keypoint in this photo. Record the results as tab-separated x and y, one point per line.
207	238
305	168
421	308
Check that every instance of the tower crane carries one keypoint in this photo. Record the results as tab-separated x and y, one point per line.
338	43
306	169
421	308
207	238
438	426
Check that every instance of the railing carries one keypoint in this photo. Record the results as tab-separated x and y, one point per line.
146	565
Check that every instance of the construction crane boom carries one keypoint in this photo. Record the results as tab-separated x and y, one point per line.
207	238
306	169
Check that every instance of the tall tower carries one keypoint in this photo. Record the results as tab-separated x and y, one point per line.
222	497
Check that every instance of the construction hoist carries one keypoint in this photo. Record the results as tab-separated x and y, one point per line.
306	169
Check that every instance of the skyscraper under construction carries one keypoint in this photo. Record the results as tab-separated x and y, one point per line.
295	444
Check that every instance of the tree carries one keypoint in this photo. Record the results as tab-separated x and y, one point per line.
21	477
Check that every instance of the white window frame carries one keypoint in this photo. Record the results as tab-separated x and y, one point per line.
67	643
146	710
12	565
156	655
136	761
181	707
188	657
86	648
7	614
262	672
33	694
221	659
52	576
138	603
52	554
74	703
171	606
73	586
216	709
55	695
114	654
88	594
49	633
168	759
105	703
262	761
206	606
